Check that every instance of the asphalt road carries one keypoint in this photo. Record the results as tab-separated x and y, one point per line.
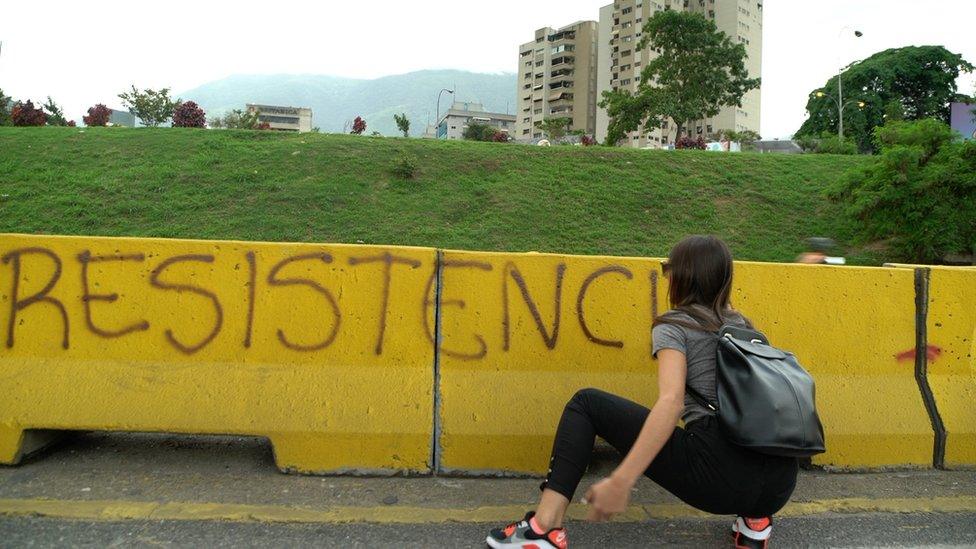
141	490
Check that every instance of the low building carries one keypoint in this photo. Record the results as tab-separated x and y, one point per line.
289	119
776	146
461	115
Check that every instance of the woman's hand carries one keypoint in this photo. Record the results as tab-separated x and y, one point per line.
607	498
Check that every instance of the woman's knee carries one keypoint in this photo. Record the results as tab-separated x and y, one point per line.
583	398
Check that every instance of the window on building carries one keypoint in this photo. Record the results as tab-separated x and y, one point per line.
625	11
537	136
627	25
540	63
628	39
708	128
625	82
625	54
540	74
527	86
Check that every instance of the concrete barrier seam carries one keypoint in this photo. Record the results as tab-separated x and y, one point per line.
921	366
435	462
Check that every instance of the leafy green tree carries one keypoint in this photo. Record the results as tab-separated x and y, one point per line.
919	193
909	83
152	107
556	128
55	116
479	132
831	143
238	119
5	104
403	123
698	71
746	138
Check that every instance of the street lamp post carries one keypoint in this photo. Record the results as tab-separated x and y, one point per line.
840	87
841	105
438	120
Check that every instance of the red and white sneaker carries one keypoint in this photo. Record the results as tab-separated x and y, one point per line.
751	533
526	534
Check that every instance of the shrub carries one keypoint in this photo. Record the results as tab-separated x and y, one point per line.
55	115
835	145
688	142
71	124
403	123
919	192
500	137
97	115
404	166
587	141
189	115
24	114
358	126
807	142
479	132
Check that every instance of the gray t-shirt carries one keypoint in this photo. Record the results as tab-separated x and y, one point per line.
699	348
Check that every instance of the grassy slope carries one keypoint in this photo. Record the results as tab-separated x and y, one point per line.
482	196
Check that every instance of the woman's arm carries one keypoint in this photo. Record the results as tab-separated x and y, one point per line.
612	494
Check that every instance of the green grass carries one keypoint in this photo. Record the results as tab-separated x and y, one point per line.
476	196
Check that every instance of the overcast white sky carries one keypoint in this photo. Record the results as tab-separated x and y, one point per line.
83	52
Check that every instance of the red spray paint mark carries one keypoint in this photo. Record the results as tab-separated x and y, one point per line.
932	352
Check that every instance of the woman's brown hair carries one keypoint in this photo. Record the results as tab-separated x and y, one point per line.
700	273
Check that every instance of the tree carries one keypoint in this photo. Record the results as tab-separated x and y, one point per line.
238	119
479	132
216	122
556	128
698	71
5	101
97	115
358	126
403	124
24	114
919	193
909	83
189	115
152	107
55	116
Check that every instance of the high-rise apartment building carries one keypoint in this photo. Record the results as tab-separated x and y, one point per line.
557	78
620	62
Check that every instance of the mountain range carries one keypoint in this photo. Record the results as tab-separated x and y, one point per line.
336	101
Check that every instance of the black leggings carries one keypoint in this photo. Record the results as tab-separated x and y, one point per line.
697	464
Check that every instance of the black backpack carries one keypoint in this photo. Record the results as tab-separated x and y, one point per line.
765	398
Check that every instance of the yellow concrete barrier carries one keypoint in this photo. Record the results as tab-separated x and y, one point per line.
522	333
952	359
328	350
853	328
317	347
